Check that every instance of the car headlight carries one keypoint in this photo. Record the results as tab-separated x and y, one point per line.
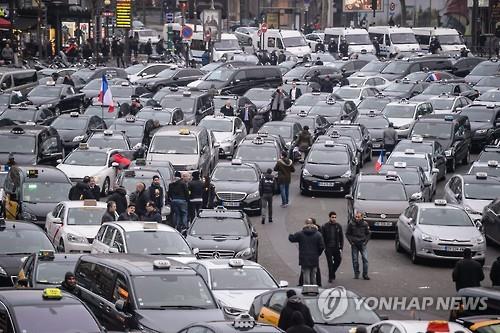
246	253
347	174
27	216
76	239
46	106
253	195
472	211
305	173
479	240
482	131
2	271
233	311
428	238
449	152
78	138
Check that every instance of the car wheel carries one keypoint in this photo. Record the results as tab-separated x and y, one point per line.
466	159
106	187
413	253
60	247
397	243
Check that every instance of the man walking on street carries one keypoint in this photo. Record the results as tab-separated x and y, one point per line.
195	187
179	196
266	190
284	166
156	193
390	137
311	246
334	243
467	272
358	235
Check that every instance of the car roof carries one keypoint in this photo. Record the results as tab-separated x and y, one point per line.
473	179
131	226
28	129
26	297
124	121
225	263
404	154
175	130
48	172
279	123
20	225
433	205
220	213
441	117
375	178
84	203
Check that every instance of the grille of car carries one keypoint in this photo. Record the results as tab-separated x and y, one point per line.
322	177
217	254
455	254
377	216
231	196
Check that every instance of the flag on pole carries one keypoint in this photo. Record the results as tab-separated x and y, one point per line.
380	161
434	77
105	97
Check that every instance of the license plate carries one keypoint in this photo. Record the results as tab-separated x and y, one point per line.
383	224
231	204
454	248
326	184
377	145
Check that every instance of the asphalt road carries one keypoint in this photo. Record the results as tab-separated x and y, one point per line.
392	273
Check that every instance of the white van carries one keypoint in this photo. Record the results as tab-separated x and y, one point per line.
450	39
358	39
292	41
394	40
228	44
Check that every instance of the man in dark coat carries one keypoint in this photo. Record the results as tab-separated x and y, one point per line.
227	109
358	235
320	47
376	45
344	48
311	246
110	215
495	272
119	196
294	303
178	195
295	92
278	104
129	214
434	45
246	112
298	324
140	197
152	213
266	190
334	243
281	57
148	48
69	284
81	190
195	187
332	46
94	189
156	192
467	272
285	168
273	58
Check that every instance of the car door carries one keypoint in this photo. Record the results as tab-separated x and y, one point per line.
118	243
102	297
6	324
121	292
491	221
270	312
25	278
102	243
239	130
50	224
407	226
461	144
439	159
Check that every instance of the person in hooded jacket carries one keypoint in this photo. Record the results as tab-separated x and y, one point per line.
293	304
81	190
152	213
119	196
140	198
311	246
156	192
298	324
304	140
285	168
110	215
69	284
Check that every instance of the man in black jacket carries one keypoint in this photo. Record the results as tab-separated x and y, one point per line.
495	273
81	190
140	197
94	188
119	196
294	303
152	214
156	192
266	189
110	215
227	109
178	195
69	284
467	272
358	235
311	246
195	188
334	243
129	214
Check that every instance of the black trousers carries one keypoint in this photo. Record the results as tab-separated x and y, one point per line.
193	209
333	258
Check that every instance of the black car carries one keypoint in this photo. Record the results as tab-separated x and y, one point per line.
287	130
143	293
22	114
375	124
413	177
404	89
83	76
171	76
305	73
398	69
109	139
345	140
491	221
439	88
91	89
349	66
318	125
46	269
485	68
59	98
360	135
75	128
194	104
224	234
17	240
374	67
30	144
335	110
484	122
133	127
452	131
463	66
329	168
33	191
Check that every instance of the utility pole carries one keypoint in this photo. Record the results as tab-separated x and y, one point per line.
474	24
39	28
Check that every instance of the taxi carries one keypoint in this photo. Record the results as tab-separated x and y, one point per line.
408	326
355	93
235	282
261	149
404	113
132	126
44	311
75	128
91	161
480	324
22	114
165	116
59	98
228	132
491	167
334	110
414	179
345	140
376	124
18	240
360	135
446	103
45	268
317	124
109	139
73	225
242	323
30	192
194	104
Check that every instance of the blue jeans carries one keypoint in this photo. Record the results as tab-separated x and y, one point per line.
355	249
180	211
284	191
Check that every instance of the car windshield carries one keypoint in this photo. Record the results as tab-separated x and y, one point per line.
45	91
174	145
259	94
398	87
449	39
309	100
284	131
35	192
377	104
257	153
347	93
226	45
21	116
356	311
69	123
432	130
445	217
85	215
58	317
490	96
409	177
393	191
353	132
489	81
20	144
334	110
241	279
403	38
373	122
161	116
52	272
294	41
156	242
482	191
296	72
399	111
24	241
217	125
234	173
220	74
357	80
116	142
485	69
100	111
480	116
134	69
130	129
167	73
122	91
442	104
437	89
186	104
373	66
172	291
327	156
410	161
486	156
219	227
396	67
358	39
88	158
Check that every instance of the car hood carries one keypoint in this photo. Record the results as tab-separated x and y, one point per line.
326	169
175	159
39	209
207	242
11	263
450	232
78	171
375	206
222	136
398	122
232	186
37	100
391	77
69	135
476	204
21	159
176	319
473	78
239	299
87	231
376	133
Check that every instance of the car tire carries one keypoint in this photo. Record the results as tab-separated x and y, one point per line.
466	159
60	247
397	244
413	253
105	187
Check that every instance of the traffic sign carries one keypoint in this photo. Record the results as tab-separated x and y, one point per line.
123	13
187	32
263	28
169	17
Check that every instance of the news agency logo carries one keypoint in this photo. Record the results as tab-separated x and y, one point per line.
332	303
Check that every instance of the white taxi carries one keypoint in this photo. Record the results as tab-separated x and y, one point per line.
72	225
91	161
235	282
228	132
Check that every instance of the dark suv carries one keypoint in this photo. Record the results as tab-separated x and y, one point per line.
485	123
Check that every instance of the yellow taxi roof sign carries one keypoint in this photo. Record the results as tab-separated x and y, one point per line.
89	202
184	131
52	293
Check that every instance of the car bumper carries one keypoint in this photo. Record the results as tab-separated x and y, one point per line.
337	185
436	251
77	247
382	225
377	146
247	205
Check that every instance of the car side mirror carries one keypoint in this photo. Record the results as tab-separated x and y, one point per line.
416	196
349	197
239	131
283	284
143	74
115	164
120	305
113	250
255	234
435	171
57	220
59	161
